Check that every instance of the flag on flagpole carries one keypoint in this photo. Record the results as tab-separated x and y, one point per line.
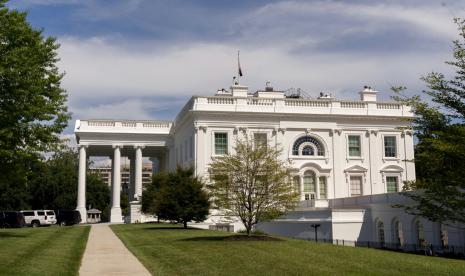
239	64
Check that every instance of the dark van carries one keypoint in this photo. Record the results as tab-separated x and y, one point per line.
68	217
11	219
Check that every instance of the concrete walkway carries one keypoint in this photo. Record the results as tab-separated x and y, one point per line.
106	255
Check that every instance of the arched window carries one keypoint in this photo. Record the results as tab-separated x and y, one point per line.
380	231
397	233
311	144
419	233
309	182
308	150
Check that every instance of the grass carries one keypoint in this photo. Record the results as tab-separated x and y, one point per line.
170	250
42	251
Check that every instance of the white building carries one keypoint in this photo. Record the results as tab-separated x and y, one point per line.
346	155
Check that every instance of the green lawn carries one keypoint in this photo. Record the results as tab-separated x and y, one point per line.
42	251
170	250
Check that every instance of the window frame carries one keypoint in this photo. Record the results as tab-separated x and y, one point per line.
383	143
362	183
397	182
228	133
354	133
348	145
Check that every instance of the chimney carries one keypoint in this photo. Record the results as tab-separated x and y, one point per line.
368	94
239	90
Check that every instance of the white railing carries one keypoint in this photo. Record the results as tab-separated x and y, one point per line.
388	106
255	101
128	124
156	124
220	100
101	123
347	104
307	103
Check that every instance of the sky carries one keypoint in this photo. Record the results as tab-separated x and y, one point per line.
143	59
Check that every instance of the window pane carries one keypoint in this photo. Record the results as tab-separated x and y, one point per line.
221	143
309	183
390	146
322	187
354	145
260	139
391	184
308	150
355	185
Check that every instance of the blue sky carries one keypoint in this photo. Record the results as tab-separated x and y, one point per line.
142	59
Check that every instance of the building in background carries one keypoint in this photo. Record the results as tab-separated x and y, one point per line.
105	175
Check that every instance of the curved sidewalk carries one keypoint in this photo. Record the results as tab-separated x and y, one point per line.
105	254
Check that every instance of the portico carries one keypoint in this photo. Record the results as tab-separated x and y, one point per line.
116	139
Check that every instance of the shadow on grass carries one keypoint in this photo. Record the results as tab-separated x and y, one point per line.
4	235
232	238
170	228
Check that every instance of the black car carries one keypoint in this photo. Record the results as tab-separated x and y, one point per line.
11	219
67	217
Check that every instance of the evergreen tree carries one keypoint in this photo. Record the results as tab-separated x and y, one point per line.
33	108
440	153
177	196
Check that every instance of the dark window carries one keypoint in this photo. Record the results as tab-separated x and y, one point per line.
390	146
308	150
311	140
354	145
40	213
221	143
28	214
50	213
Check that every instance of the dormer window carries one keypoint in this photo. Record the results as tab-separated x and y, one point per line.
308	146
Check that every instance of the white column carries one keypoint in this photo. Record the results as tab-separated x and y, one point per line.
138	173
132	178
115	212
81	196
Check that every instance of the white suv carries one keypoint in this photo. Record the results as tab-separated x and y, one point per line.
37	218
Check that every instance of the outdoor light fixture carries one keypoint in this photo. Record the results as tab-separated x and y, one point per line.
315	226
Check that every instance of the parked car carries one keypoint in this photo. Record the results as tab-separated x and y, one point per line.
36	218
11	219
68	217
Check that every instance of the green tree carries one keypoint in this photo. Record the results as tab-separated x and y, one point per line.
54	184
252	184
33	108
177	196
439	190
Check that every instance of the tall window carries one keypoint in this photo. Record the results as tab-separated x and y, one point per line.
221	143
381	239
309	182
355	185
391	184
296	182
323	187
398	234
354	145
420	234
260	139
390	147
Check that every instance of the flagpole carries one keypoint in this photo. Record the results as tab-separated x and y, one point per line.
239	70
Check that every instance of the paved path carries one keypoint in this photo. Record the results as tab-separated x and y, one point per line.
106	255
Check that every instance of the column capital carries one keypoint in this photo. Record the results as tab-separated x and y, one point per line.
139	146
83	146
114	146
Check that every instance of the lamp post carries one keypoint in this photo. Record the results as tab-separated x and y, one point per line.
315	226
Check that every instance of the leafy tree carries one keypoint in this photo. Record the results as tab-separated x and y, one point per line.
54	184
33	108
177	196
440	153
252	184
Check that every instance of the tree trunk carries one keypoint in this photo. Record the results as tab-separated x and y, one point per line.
185	225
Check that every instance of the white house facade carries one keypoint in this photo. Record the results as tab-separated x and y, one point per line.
339	150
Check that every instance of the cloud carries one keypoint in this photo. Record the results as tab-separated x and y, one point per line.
144	59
